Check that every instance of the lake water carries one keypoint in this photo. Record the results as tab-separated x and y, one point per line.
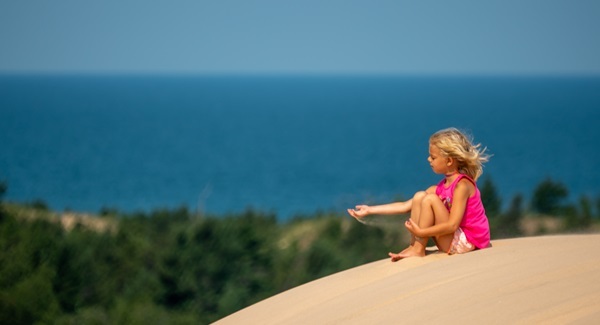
284	144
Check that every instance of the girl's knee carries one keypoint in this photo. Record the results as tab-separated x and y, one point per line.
430	198
419	196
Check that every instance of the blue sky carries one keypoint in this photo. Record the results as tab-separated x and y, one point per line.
353	37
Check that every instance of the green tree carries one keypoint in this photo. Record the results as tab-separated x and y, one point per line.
490	198
218	266
31	300
3	188
586	211
548	197
577	219
27	271
509	223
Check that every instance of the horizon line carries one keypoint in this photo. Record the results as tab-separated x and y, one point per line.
281	74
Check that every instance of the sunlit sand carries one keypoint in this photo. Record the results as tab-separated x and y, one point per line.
550	279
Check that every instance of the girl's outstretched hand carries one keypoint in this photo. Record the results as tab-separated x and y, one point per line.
359	211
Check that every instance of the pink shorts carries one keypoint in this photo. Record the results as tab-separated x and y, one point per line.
460	244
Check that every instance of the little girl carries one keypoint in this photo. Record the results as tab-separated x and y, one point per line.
451	213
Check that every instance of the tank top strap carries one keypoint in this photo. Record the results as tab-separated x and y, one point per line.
461	176
453	185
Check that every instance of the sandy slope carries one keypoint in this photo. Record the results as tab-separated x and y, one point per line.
552	279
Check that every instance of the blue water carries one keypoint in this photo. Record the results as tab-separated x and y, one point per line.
289	145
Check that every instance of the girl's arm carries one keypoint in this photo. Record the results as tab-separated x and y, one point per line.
385	209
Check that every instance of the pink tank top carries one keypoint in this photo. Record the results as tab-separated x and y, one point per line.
474	223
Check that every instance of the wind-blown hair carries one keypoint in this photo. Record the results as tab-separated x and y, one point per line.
455	144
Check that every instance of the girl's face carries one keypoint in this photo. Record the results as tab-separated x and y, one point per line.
437	160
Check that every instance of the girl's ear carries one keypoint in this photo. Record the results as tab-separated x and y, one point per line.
449	161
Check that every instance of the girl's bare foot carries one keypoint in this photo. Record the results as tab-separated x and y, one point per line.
402	253
408	252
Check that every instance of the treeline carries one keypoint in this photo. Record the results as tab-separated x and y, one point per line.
174	266
549	199
167	266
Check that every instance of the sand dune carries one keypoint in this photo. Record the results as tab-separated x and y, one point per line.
551	279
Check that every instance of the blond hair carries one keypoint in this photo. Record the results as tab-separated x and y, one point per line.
455	144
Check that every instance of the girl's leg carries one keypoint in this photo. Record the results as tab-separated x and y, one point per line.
414	216
431	210
434	212
416	211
